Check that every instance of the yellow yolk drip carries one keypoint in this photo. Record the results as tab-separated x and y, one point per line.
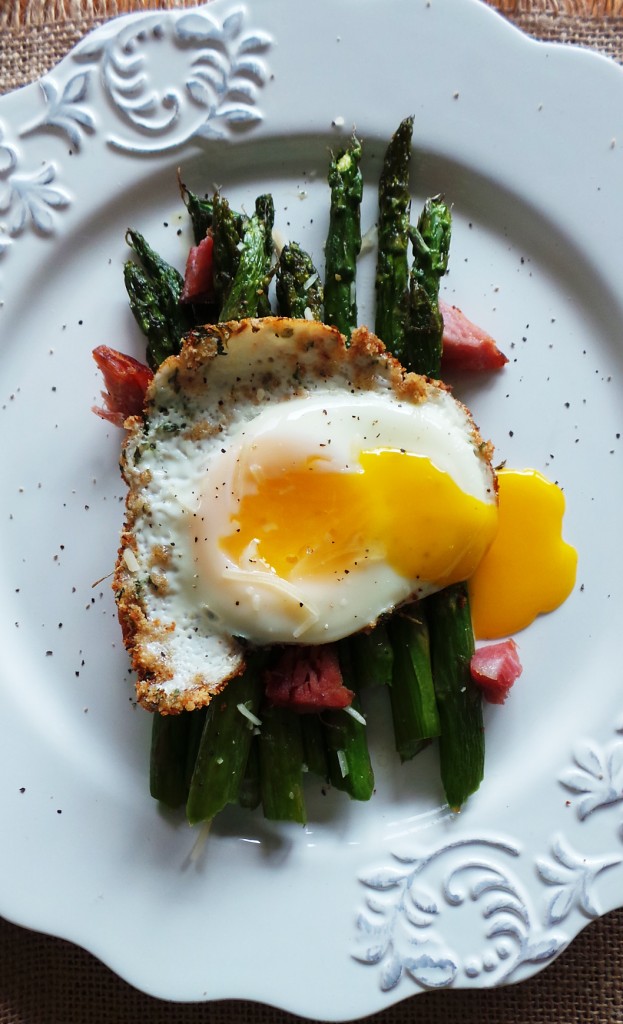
528	569
397	507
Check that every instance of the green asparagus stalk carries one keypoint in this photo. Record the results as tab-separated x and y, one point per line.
281	765
224	748
265	212
343	239
200	210
424	331
412	694
249	282
372	657
461	743
346	738
420	347
228	231
195	732
154	289
168	780
314	745
299	289
350	768
250	794
392	269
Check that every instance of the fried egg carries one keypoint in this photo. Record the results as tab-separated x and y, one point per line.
287	488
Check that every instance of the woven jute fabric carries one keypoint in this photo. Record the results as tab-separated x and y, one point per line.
45	980
35	34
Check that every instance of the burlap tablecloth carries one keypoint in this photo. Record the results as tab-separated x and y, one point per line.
48	981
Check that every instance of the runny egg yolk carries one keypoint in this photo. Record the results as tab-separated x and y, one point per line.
398	507
529	569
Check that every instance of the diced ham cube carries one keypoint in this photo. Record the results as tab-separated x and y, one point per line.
465	345
307	679
126	381
494	668
199	275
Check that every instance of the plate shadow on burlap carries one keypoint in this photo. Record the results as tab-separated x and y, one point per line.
45	980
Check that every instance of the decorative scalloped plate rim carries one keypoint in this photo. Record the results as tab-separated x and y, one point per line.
368	904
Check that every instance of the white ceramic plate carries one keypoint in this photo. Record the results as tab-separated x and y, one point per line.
367	904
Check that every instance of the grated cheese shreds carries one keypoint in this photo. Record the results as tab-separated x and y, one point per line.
279	241
243	709
200	842
356	715
369	240
130	560
309	282
343	762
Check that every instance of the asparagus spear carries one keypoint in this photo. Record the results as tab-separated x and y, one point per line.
224	748
420	331
314	748
461	744
250	794
346	738
265	212
372	657
281	765
343	239
200	209
299	288
154	289
195	732
424	330
168	781
249	282
392	270
350	769
412	694
228	231
174	745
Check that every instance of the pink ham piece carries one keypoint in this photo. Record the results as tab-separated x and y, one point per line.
199	274
126	381
494	668
465	345
307	679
